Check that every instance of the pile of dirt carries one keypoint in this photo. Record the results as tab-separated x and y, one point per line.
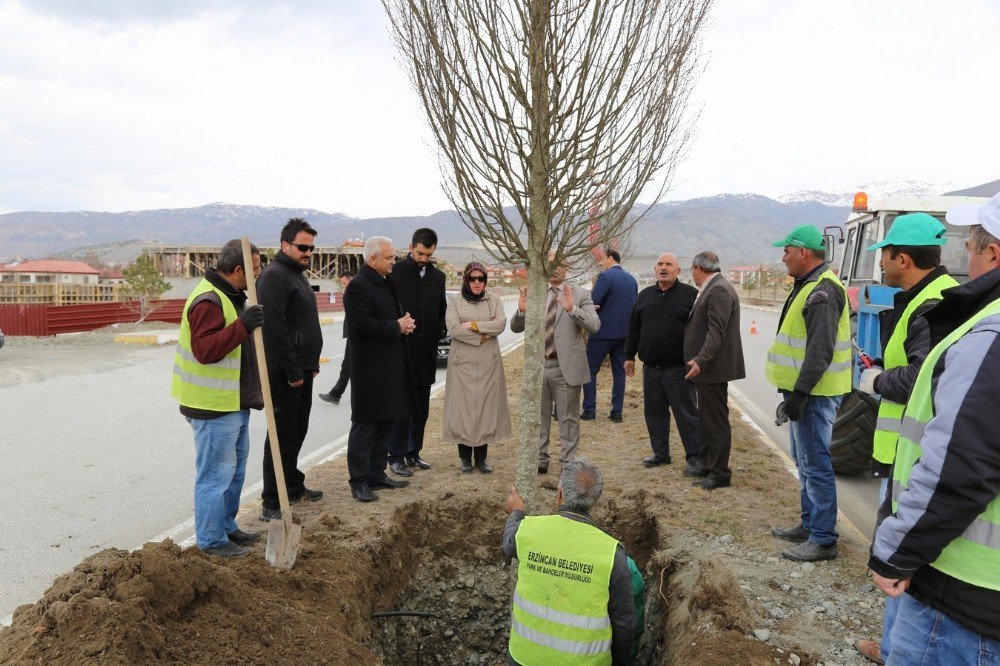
717	592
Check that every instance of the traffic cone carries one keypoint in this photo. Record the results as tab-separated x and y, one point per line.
753	327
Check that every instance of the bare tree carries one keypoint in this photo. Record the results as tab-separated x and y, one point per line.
541	107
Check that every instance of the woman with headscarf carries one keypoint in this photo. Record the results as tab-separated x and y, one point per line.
475	400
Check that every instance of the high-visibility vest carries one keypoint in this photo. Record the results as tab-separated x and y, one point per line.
788	351
894	356
973	556
560	610
210	386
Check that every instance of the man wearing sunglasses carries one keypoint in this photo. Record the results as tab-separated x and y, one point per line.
293	342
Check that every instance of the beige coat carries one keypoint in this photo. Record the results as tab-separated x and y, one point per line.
475	398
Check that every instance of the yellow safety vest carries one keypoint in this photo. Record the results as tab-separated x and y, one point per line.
560	610
894	356
973	556
212	386
788	351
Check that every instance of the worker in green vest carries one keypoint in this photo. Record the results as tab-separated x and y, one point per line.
217	384
573	600
941	544
810	364
911	260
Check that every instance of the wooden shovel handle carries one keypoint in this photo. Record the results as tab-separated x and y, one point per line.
265	386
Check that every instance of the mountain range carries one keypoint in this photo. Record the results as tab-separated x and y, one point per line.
739	227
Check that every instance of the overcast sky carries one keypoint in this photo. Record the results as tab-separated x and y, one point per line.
133	104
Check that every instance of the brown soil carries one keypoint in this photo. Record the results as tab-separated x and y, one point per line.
713	575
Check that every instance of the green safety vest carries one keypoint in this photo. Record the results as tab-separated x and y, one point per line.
784	358
974	556
211	386
894	356
560	609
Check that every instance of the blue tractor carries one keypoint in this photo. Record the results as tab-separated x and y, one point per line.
853	431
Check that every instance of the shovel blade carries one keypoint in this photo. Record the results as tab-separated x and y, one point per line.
282	543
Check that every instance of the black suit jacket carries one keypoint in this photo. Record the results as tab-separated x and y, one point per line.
423	297
712	335
380	370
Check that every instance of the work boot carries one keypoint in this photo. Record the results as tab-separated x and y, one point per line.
227	550
655	461
870	650
810	551
399	468
587	416
270	514
483	466
796	534
615	417
363	493
465	465
241	538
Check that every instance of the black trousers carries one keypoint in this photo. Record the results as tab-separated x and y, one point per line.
716	434
292	405
345	372
408	436
665	390
367	447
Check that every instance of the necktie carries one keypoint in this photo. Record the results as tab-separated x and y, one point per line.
550	323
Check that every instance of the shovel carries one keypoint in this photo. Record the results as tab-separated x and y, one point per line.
282	535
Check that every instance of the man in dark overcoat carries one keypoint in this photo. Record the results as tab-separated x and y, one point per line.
420	288
380	369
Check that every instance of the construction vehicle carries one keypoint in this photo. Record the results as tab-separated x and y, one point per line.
854	428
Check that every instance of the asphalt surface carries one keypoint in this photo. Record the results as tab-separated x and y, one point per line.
96	454
857	496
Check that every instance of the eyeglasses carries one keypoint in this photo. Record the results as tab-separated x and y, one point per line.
303	247
477	278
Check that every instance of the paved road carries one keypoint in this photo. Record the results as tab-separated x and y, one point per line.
857	496
96	455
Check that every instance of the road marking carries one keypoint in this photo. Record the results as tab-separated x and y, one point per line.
739	398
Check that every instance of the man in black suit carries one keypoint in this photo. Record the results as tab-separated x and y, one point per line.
380	375
713	345
420	289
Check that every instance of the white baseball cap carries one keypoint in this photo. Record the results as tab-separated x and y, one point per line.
987	214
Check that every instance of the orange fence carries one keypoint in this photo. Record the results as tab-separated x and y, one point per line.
42	319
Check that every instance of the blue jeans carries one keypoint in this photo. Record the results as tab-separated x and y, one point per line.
922	635
891	603
596	351
810	438
221	448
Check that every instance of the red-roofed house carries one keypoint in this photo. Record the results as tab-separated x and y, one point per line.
49	271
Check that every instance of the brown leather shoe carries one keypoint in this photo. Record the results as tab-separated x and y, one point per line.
870	650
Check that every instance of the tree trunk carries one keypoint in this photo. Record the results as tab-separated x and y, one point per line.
539	207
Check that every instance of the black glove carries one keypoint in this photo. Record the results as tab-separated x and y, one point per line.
252	317
794	404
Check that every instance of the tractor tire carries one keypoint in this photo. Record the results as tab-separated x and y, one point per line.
853	434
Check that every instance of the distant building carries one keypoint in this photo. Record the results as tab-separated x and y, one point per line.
739	274
49	271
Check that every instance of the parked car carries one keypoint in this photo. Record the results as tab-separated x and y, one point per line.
444	347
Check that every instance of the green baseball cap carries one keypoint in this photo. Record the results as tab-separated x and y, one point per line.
913	229
806	236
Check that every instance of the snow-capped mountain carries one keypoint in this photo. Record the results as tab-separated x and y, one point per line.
876	190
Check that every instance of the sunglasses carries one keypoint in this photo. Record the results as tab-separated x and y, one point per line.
303	247
477	278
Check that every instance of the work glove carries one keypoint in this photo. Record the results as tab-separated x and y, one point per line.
252	317
794	404
866	384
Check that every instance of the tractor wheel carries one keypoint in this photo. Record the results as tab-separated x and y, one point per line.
853	434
